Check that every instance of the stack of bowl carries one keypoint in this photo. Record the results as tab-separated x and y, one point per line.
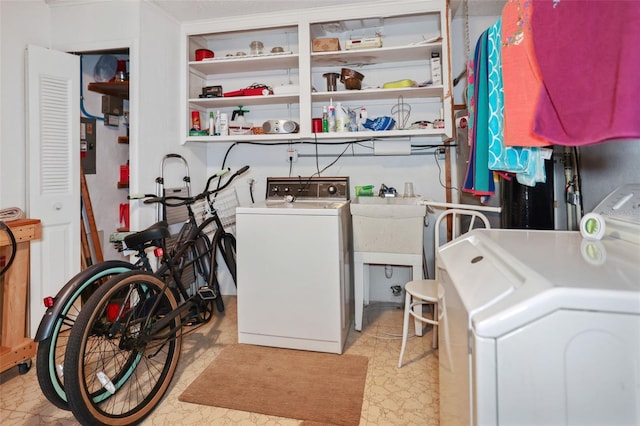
352	79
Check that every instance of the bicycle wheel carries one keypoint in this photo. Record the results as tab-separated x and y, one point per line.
123	350
51	349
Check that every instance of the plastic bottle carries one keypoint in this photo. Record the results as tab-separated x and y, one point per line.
332	118
363	118
217	124
325	120
224	124
341	118
212	124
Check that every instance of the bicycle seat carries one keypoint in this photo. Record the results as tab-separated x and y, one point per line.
156	231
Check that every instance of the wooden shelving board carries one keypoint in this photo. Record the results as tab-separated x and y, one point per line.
118	89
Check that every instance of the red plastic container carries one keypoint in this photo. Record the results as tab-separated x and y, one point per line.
202	54
124	173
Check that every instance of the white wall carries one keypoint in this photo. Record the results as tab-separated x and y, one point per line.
21	23
607	166
158	111
459	47
152	39
270	160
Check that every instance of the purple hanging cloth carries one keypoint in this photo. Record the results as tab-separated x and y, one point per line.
588	52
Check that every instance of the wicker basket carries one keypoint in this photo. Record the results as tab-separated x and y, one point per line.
225	204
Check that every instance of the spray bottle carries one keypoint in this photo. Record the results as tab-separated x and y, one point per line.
325	120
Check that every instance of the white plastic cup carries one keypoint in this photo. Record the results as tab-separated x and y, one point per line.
408	190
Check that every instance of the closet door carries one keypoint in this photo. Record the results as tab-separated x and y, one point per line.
53	171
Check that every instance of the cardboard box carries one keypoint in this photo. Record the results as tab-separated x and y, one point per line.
436	68
326	44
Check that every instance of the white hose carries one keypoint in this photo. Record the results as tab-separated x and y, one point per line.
461	206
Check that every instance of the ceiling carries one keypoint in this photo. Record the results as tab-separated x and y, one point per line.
193	10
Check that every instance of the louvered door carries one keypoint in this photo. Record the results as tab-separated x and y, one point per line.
53	171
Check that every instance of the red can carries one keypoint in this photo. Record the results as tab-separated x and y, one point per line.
195	120
316	124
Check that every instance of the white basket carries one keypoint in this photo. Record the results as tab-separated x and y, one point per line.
225	204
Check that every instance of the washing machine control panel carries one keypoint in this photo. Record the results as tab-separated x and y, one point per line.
308	188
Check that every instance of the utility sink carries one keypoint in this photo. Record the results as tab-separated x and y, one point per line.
388	207
388	225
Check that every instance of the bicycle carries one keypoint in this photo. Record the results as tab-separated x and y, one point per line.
63	310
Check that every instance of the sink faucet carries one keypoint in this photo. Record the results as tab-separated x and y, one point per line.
385	191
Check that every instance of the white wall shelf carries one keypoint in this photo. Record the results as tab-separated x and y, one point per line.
325	137
234	64
234	101
373	94
375	55
411	32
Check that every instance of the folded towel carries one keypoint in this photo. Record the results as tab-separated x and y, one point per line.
11	213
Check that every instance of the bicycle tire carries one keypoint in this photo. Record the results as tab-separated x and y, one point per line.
228	250
204	252
51	350
115	372
213	279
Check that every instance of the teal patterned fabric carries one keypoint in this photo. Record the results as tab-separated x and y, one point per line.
501	157
525	162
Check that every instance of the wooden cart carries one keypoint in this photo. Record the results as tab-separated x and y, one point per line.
16	349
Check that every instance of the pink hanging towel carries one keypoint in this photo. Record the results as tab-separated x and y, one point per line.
589	56
520	75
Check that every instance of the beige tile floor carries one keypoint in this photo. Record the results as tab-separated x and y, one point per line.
405	396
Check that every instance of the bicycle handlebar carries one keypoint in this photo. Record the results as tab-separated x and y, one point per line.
182	201
218	174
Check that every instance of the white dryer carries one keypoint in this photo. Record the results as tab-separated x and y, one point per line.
542	327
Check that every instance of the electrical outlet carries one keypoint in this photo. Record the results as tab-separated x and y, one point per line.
292	155
440	153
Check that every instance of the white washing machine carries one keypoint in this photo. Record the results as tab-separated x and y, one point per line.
543	327
294	265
